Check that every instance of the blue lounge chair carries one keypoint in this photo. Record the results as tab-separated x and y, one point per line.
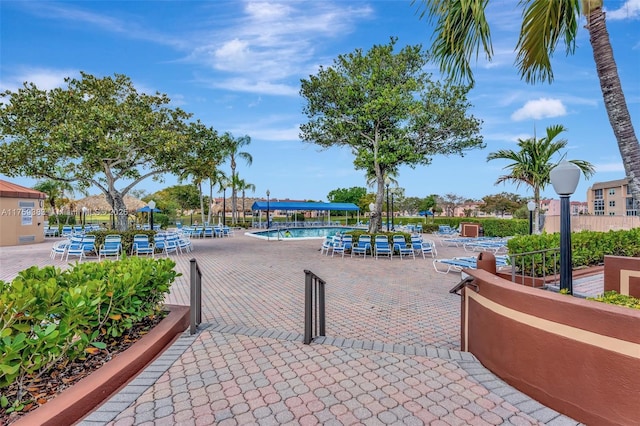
382	247
400	246
142	246
112	247
363	246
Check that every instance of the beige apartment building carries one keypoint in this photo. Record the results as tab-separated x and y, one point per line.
612	198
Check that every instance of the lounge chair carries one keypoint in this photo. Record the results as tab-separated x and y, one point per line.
455	264
81	246
424	247
347	242
327	245
142	246
59	248
112	247
382	247
363	245
338	246
400	246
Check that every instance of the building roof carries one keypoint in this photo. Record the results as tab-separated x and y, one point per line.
11	190
300	205
610	184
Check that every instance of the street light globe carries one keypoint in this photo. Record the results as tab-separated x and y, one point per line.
268	193
152	204
564	178
387	181
84	210
372	207
531	205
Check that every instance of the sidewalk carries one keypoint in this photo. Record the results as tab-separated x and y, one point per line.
390	356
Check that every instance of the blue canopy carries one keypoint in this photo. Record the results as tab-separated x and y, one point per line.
426	213
301	205
147	209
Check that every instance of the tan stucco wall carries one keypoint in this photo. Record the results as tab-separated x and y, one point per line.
21	221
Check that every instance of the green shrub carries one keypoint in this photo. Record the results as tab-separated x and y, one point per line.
588	248
614	298
48	315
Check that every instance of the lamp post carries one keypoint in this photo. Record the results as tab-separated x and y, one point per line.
224	206
564	178
393	226
152	207
387	181
84	216
531	205
268	193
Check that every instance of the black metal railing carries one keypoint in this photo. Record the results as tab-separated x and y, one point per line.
313	298
535	265
195	302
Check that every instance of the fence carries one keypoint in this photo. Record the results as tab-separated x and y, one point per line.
535	268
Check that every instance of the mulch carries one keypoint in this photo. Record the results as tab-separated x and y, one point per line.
40	390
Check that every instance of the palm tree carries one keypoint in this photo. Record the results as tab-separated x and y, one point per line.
243	186
207	153
532	164
233	152
462	30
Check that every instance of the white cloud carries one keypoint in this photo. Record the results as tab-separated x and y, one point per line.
540	108
629	10
609	167
251	86
43	78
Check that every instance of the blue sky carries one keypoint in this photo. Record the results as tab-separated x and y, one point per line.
237	66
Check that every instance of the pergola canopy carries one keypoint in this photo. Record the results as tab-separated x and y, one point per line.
300	205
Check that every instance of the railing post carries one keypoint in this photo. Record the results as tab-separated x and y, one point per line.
195	297
308	307
321	306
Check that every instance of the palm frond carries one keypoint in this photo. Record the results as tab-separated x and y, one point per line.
461	30
544	23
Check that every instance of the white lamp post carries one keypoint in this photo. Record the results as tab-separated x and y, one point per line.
531	206
84	216
387	181
152	207
564	178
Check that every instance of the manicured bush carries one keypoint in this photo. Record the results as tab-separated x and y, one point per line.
48	315
588	248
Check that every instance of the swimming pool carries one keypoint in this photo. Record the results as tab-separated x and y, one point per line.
300	233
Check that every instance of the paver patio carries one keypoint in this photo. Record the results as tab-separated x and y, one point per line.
390	355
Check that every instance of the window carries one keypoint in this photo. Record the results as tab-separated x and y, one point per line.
612	191
632	207
597	194
598	207
612	203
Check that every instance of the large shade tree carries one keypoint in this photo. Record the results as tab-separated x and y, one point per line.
100	132
531	165
462	31
388	111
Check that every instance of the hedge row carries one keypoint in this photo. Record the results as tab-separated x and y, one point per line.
48	315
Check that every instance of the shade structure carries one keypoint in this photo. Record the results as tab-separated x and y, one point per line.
301	205
147	209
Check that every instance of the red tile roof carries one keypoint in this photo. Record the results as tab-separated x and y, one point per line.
11	190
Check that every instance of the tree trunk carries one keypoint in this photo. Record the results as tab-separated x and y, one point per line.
119	209
614	100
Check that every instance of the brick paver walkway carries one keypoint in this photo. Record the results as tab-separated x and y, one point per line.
390	355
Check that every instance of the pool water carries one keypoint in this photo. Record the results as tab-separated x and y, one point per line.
300	233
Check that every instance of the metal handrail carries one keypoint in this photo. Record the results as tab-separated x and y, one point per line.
313	299
195	302
522	265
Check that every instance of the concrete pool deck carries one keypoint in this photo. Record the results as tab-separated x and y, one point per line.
390	355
